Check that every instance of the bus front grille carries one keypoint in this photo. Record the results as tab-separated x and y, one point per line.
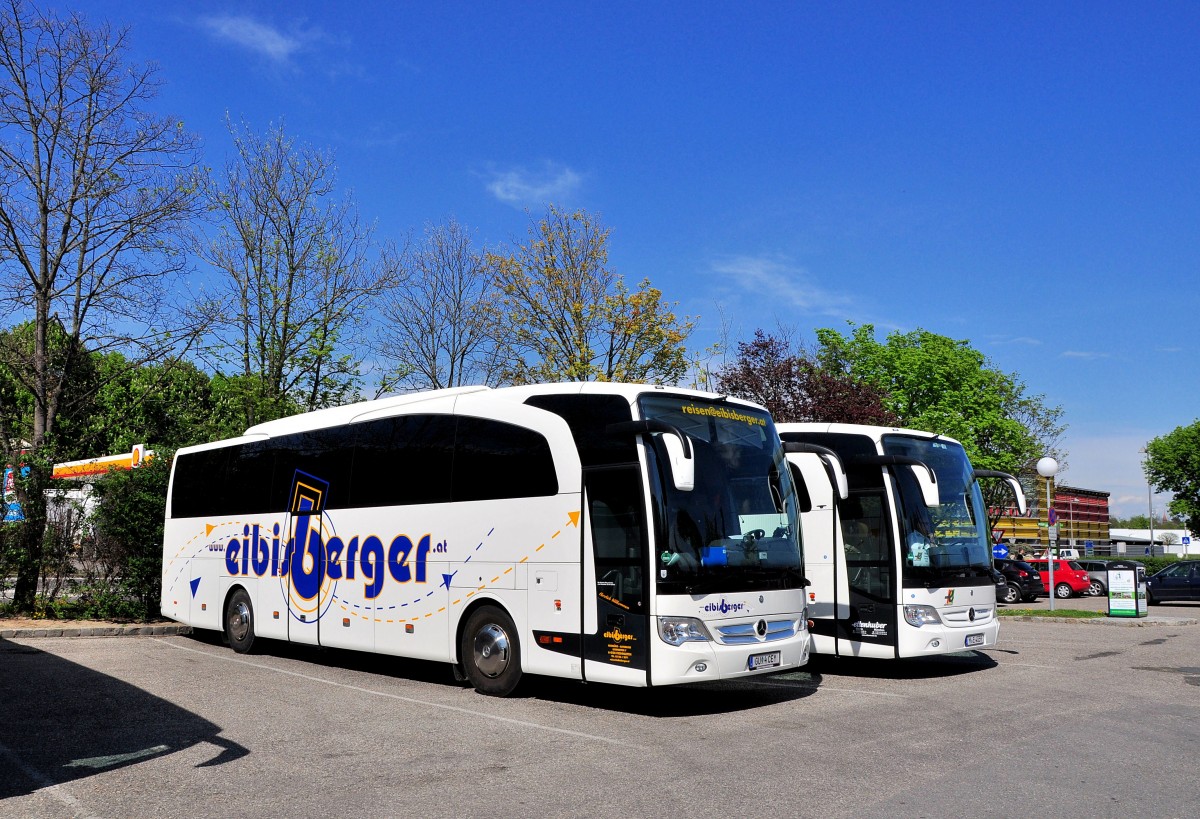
742	633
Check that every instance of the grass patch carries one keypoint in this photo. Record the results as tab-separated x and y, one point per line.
1075	614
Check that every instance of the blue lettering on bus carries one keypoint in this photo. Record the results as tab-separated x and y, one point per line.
371	562
724	607
308	566
260	554
318	559
308	559
333	556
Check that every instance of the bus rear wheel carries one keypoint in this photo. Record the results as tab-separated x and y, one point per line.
239	622
491	652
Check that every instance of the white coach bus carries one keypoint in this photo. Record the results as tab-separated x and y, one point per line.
612	533
899	551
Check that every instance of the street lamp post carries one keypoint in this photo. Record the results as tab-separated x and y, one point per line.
1149	503
1047	467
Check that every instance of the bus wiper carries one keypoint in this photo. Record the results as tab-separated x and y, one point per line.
706	585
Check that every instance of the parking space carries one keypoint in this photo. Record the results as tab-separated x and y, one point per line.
154	726
1185	610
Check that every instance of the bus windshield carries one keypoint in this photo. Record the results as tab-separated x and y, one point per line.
738	529
950	541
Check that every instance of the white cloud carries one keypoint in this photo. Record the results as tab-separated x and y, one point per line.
1025	340
775	284
522	187
255	36
1087	356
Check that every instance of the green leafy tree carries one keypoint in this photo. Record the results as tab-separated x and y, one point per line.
942	385
1143	522
168	404
1173	465
563	314
124	557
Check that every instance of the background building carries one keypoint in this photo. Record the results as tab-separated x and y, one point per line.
1081	516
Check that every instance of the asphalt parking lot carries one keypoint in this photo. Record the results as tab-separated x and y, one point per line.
1064	719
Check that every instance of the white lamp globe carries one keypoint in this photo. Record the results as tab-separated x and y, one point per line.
1047	466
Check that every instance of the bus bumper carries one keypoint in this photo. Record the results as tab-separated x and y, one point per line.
711	661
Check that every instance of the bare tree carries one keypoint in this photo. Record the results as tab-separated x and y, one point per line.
95	194
437	321
563	313
297	281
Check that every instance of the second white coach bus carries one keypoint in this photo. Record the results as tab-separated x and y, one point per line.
899	549
610	533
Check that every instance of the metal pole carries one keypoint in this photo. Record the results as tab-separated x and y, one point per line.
1150	509
1049	542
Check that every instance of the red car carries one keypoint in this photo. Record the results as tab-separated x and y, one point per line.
1070	579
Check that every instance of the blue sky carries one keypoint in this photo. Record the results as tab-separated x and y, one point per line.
1025	176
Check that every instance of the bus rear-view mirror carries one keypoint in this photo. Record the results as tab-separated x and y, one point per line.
683	466
1013	484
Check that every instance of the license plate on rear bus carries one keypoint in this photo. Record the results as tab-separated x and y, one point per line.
768	660
974	640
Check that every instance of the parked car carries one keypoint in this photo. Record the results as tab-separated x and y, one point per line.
1179	581
1023	583
1070	579
1098	571
1001	583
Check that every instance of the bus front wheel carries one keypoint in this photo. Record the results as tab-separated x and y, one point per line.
491	652
239	622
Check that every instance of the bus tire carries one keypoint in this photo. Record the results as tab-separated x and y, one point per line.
491	652
239	622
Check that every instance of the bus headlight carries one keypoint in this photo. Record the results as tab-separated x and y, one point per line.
921	616
680	630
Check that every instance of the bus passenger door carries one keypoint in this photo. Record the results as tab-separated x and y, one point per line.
868	629
616	629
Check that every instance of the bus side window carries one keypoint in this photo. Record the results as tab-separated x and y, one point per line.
495	460
403	460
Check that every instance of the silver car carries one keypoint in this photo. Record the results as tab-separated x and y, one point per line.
1098	571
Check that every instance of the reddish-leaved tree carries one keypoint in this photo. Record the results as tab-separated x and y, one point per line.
795	388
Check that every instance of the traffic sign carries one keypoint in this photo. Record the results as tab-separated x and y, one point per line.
1187	541
1053	533
999	551
1053	516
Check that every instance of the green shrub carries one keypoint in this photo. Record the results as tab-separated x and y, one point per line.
123	558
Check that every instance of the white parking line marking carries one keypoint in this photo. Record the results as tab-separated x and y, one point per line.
522	723
46	785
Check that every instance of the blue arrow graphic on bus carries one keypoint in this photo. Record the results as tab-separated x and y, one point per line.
195	585
446	578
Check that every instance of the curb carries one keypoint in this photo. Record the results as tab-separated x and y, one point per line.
1134	622
96	631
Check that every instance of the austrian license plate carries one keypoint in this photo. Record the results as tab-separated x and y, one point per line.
768	660
974	640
